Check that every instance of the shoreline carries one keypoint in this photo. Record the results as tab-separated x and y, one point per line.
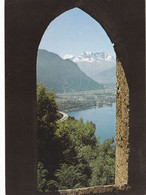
85	108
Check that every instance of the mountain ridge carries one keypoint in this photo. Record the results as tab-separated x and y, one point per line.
99	66
93	56
62	74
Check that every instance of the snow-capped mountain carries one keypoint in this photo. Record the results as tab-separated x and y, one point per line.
93	57
95	64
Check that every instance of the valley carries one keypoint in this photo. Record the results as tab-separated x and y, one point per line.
79	83
62	75
86	99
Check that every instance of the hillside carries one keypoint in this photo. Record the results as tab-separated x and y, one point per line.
98	65
62	75
107	76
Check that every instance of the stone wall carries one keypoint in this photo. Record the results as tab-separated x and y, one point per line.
122	127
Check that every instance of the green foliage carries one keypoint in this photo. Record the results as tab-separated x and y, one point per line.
46	105
48	153
42	180
103	167
71	176
69	154
76	132
42	176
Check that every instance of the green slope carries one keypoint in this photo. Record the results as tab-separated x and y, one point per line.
62	75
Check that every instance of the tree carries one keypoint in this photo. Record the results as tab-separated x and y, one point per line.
42	176
69	154
49	146
71	176
42	180
103	167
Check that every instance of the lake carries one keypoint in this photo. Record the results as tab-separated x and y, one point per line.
104	118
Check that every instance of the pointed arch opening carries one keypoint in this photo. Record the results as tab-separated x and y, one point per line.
66	100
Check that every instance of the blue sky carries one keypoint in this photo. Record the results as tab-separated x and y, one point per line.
74	32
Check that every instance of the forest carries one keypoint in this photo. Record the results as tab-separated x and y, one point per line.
69	154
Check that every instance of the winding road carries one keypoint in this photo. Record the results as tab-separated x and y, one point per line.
64	117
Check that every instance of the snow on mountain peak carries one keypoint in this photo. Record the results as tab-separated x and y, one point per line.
91	57
94	64
68	56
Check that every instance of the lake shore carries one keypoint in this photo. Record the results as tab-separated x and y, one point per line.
86	99
88	107
104	119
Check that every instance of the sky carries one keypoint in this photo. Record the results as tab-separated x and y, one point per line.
75	32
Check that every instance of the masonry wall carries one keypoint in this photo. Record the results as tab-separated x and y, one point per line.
26	21
122	127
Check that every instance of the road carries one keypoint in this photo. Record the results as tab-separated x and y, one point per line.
64	117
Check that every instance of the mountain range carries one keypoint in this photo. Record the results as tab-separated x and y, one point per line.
63	75
100	66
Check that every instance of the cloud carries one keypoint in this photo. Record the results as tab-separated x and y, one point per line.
68	56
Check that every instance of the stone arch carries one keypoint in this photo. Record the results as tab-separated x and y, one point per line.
122	102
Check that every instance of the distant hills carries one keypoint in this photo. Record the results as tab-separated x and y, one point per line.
98	65
63	75
107	76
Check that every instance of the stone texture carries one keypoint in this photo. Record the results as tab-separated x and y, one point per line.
122	127
95	190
